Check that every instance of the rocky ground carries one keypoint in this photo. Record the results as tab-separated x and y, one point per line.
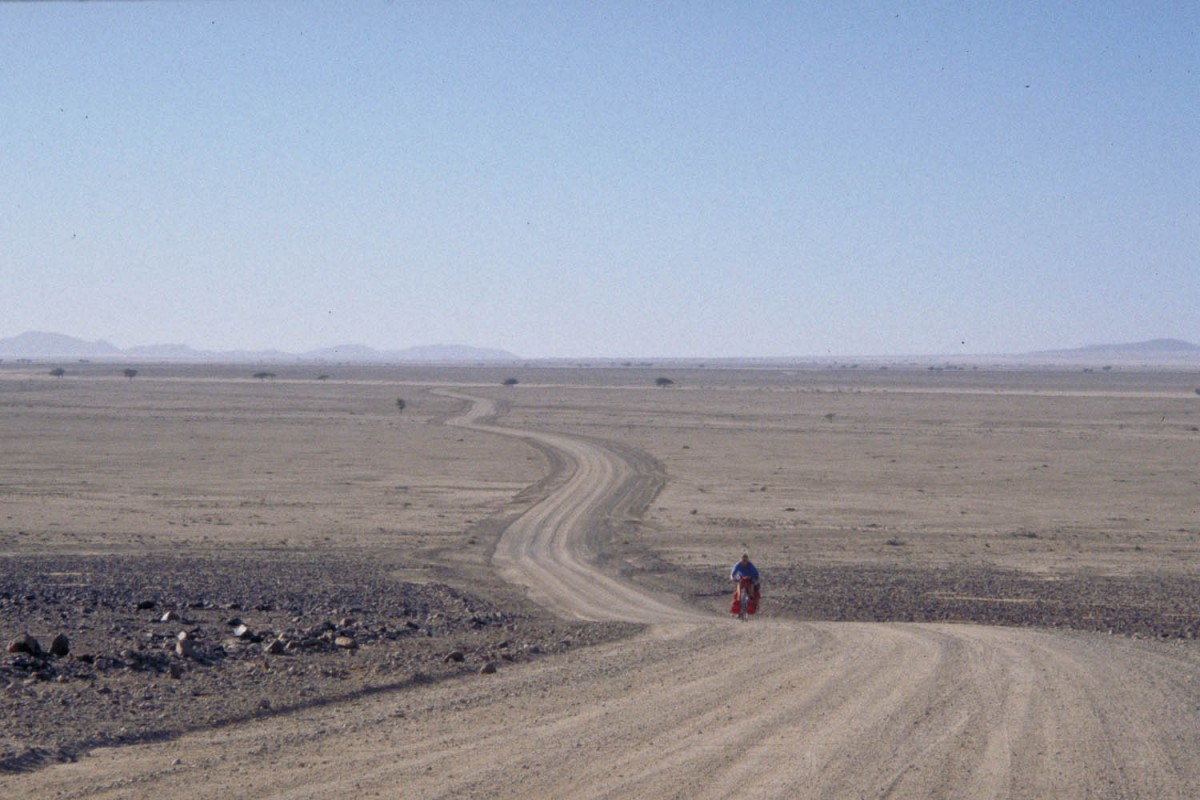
105	650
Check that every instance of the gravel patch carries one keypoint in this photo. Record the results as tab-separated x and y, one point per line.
149	647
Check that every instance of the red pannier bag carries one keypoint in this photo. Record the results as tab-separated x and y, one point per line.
751	604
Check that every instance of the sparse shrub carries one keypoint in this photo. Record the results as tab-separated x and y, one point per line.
1198	391
262	376
511	381
663	382
830	416
400	404
58	372
130	373
322	377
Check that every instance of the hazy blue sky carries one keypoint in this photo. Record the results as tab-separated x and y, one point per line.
601	178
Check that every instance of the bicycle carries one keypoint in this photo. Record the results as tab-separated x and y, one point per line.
745	601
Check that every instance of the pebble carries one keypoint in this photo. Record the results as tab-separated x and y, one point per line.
61	645
185	648
25	644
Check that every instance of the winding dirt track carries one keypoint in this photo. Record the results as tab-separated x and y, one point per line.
548	550
707	707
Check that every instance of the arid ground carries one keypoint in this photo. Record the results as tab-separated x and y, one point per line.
977	582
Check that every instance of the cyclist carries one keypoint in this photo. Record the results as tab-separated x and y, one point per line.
745	568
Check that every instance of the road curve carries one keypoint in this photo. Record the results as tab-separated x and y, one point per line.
704	707
547	549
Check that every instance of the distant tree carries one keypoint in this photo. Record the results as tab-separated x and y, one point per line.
264	375
511	381
400	404
58	372
664	382
130	373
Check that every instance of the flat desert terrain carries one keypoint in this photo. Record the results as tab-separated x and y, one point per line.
977	582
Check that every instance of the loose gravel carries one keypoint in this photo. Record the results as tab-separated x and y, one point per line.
157	646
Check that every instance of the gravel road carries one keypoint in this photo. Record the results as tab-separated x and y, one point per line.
704	706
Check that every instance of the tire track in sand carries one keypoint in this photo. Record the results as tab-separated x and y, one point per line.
547	550
704	707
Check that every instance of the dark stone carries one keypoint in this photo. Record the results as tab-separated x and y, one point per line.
25	644
61	645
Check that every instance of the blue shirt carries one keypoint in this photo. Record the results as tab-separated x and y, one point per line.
748	569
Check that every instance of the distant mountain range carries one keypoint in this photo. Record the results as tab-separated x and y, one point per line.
43	346
1135	348
40	345
1152	350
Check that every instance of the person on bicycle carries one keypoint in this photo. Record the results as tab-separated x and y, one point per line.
747	569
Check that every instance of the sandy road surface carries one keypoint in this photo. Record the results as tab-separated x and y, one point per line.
548	551
821	710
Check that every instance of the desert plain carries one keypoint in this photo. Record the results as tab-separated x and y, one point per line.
978	581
